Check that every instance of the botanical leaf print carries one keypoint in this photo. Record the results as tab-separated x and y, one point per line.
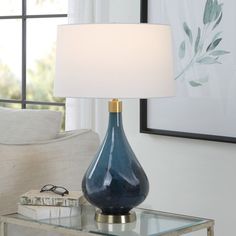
182	50
207	11
218	53
194	84
216	36
197	40
208	60
204	52
213	44
218	21
188	32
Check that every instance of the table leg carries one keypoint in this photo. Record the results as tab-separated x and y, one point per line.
210	231
2	228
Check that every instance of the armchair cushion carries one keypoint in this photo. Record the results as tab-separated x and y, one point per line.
23	126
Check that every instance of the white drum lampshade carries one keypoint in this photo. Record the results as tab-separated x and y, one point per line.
114	61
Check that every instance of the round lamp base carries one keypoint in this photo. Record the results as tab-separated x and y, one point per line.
115	219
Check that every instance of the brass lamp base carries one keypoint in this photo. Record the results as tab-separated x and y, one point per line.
115	219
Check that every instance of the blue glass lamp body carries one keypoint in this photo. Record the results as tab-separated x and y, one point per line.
115	182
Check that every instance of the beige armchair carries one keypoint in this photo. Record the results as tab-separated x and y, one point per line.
60	161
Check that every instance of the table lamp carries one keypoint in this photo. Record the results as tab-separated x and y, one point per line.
114	61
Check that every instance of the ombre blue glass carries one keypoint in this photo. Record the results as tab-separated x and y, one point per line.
115	182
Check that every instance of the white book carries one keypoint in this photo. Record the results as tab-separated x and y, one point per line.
47	212
34	197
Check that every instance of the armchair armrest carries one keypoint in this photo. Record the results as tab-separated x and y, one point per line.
61	161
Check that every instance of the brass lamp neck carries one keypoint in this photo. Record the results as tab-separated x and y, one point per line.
115	106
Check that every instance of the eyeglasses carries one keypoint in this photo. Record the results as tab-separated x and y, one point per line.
53	188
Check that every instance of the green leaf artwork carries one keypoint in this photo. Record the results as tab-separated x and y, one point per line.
213	44
218	53
194	84
218	21
182	50
207	11
188	32
216	36
197	40
199	82
208	60
203	42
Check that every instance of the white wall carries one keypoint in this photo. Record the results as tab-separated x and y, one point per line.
186	176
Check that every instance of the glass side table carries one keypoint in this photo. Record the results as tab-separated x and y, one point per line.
148	223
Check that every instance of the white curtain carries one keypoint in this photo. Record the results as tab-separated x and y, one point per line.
82	113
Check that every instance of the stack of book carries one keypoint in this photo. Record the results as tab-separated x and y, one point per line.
45	205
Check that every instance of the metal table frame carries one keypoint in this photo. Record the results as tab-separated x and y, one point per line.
203	223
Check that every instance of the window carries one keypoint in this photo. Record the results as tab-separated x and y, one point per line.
27	52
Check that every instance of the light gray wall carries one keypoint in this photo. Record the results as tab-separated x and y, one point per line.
186	176
192	177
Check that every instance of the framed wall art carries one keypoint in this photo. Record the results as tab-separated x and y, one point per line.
204	50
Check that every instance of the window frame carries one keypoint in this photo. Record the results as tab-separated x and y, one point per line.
24	17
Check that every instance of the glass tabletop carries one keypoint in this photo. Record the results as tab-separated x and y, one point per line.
149	222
